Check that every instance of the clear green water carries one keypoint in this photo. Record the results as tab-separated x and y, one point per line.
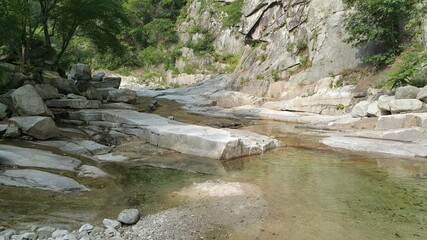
311	194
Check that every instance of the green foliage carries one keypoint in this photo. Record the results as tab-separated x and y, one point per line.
301	46
202	46
409	69
275	74
379	23
290	47
160	32
340	106
234	13
262	57
152	56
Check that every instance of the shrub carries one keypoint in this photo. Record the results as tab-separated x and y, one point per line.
234	12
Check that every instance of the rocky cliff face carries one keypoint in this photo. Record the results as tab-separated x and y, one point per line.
281	43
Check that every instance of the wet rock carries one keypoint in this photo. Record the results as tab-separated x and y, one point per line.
360	110
12	132
80	71
47	92
407	92
405	105
119	105
28	103
129	216
91	171
86	228
62	84
41	128
422	95
26	157
45	232
3	111
121	95
108	223
59	233
74	96
74	103
40	180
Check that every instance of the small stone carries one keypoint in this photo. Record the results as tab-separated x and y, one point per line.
29	236
171	118
129	216
70	236
86	228
60	233
45	232
110	232
108	223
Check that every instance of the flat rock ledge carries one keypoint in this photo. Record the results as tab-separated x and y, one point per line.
185	138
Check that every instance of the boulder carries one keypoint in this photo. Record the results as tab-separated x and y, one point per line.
396	121
47	92
98	76
407	92
360	109
40	180
80	71
422	95
373	110
91	172
92	94
62	84
27	157
86	228
59	233
41	128
3	128
108	223
384	102
12	132
45	232
108	82
129	216
405	105
3	111
28	103
121	95
74	103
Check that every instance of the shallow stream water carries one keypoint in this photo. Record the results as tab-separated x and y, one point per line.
311	194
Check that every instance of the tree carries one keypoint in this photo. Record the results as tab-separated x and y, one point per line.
381	24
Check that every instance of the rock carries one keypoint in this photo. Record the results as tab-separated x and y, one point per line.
3	111
119	105
104	92
384	102
110	232
3	128
405	105
110	157
373	110
74	103
121	95
229	99
98	76
86	228
360	110
422	95
94	147
7	233
45	232
41	128
407	92
92	94
62	84
108	223
59	233
107	82
29	236
74	96
28	103
40	180
80	71
26	157
396	121
12	132
70	236
91	172
129	216
47	92
414	134
421	119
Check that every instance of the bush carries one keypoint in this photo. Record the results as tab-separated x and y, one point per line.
234	13
152	56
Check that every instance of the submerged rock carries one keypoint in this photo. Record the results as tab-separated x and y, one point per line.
40	180
91	171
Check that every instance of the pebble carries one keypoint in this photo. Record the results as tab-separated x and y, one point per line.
45	232
86	228
60	233
129	216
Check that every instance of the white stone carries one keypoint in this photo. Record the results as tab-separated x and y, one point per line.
373	110
86	228
405	105
360	109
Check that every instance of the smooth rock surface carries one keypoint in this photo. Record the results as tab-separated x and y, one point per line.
373	110
26	157
129	216
396	121
384	102
40	180
41	128
12	132
407	92
229	99
405	105
91	172
28	103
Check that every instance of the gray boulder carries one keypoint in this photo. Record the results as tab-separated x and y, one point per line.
45	232
373	110
3	128
108	223
129	216
40	180
41	128
28	103
384	102
422	95
108	82
62	84
7	234
80	71
46	91
405	105
407	92
12	132
59	233
360	109
74	103
3	111
121	95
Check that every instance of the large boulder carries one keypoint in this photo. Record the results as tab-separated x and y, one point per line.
80	71
360	109
121	95
47	92
405	105
62	84
27	102
407	92
3	111
40	180
41	128
422	95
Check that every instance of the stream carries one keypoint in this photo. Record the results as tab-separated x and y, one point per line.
311	192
